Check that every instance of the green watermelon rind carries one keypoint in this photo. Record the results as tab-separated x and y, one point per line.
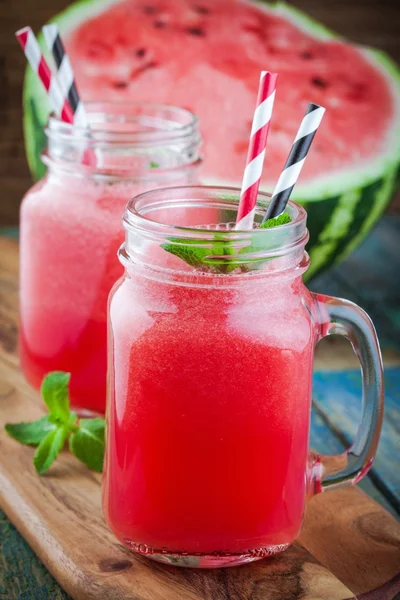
328	195
345	222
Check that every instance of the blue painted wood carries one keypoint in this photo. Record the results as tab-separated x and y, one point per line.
10	231
392	399
337	397
324	441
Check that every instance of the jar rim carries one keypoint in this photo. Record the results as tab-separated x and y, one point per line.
135	214
213	245
161	124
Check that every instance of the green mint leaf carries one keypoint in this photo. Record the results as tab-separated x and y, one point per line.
88	443
220	257
30	433
154	165
54	392
49	448
192	255
281	219
258	244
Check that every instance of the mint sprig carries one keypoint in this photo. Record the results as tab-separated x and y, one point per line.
282	219
51	432
199	255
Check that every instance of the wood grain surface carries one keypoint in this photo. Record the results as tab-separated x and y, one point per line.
371	22
349	545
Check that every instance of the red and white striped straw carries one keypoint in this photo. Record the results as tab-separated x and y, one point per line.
33	53
256	152
65	75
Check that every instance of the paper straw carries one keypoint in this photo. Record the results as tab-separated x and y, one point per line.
65	75
33	53
256	152
295	161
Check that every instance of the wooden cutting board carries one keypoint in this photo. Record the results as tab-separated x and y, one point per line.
349	544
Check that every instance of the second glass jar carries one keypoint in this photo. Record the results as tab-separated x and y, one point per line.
71	230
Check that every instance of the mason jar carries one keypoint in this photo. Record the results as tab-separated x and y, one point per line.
71	230
211	344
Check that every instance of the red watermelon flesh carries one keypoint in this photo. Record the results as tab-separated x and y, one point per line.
206	55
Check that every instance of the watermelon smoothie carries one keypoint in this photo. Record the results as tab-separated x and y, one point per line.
71	231
209	414
211	343
209	405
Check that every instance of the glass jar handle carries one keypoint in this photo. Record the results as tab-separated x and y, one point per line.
336	316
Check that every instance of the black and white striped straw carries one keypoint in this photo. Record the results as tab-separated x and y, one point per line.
65	75
295	161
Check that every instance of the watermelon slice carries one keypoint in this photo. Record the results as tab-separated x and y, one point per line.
206	55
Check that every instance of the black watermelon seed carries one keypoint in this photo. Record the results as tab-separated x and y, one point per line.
202	10
319	82
159	24
150	10
196	31
306	55
120	85
140	52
